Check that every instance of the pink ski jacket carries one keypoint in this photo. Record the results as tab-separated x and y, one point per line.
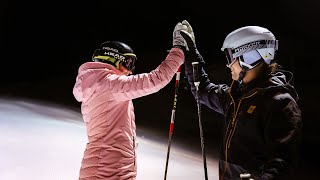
106	97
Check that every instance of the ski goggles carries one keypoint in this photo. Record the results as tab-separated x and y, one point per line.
250	59
128	60
233	53
229	56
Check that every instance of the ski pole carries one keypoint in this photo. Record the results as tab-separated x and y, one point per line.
196	79
172	118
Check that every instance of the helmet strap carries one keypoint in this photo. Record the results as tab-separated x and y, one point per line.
241	75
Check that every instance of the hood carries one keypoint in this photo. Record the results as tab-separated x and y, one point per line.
274	82
284	80
88	78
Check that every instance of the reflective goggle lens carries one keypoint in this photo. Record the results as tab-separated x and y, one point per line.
251	57
129	62
230	59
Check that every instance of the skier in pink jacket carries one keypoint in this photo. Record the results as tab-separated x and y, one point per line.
105	88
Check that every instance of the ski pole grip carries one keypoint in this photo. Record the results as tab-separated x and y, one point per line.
196	78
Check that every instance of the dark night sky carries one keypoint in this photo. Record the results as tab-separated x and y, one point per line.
40	38
43	43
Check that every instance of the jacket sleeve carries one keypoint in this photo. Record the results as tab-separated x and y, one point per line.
212	95
283	137
122	87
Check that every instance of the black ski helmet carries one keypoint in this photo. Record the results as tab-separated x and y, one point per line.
115	53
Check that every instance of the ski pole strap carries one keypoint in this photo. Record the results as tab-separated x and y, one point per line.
195	70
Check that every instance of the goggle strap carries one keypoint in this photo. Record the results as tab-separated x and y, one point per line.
116	58
236	52
129	54
108	58
276	45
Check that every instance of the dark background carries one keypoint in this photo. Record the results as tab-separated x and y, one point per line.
42	44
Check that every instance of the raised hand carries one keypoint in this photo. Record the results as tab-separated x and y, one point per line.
178	40
188	31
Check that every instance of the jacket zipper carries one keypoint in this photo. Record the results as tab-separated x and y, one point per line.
233	123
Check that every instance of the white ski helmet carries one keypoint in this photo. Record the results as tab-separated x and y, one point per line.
251	45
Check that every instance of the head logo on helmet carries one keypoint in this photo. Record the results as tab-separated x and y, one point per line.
115	53
251	45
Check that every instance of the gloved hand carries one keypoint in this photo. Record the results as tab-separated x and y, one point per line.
178	40
192	54
188	34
